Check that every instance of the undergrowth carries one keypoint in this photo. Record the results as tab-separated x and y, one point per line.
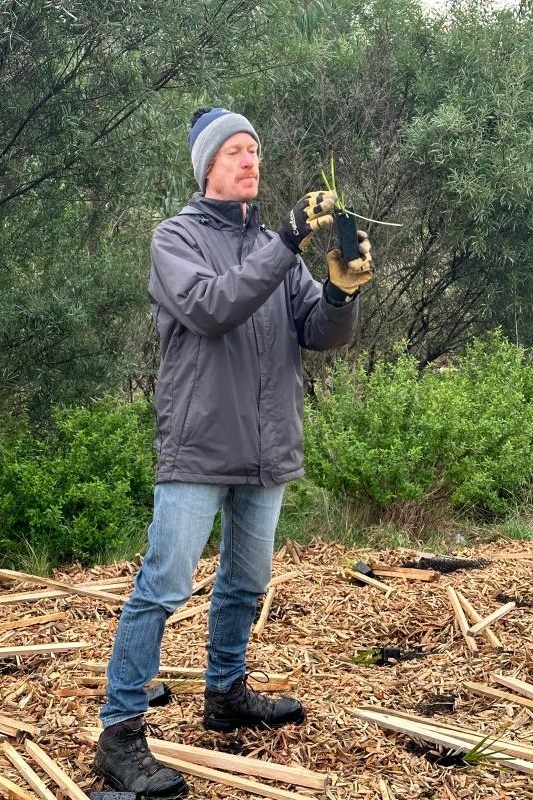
395	458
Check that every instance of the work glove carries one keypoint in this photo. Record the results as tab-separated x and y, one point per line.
310	213
350	276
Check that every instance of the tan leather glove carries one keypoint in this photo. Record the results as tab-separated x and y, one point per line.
308	215
350	276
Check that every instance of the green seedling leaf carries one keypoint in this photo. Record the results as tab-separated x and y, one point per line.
483	751
367	658
326	182
331	185
332	172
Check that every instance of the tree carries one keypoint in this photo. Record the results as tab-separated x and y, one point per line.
420	139
94	96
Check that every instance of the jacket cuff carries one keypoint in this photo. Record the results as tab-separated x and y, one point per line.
336	297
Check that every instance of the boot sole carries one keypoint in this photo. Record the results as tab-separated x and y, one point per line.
227	726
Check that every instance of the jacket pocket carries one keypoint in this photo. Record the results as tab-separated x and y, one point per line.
192	403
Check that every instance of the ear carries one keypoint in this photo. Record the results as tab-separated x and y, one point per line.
210	167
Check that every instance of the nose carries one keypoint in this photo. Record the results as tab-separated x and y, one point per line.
248	159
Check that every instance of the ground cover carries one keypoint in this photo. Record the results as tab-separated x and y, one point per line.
319	638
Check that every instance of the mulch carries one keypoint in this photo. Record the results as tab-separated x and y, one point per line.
319	622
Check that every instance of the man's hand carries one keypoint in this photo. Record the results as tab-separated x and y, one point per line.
310	213
350	276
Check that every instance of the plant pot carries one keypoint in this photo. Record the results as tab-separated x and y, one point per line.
348	239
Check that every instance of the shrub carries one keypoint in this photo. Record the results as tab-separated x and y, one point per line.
76	493
398	436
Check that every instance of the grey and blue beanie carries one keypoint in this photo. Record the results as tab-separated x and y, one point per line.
208	134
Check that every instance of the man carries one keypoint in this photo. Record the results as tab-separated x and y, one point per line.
233	303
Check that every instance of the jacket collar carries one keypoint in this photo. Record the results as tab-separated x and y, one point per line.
225	211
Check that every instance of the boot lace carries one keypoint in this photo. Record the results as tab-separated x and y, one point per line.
256	702
138	747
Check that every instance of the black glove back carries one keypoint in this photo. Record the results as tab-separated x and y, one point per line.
310	213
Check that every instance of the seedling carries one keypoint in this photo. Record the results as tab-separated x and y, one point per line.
384	656
367	658
483	752
331	185
346	218
341	206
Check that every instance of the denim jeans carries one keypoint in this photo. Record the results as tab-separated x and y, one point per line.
181	525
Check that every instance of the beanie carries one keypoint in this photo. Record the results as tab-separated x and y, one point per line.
209	133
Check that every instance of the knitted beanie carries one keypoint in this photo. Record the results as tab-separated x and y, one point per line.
209	133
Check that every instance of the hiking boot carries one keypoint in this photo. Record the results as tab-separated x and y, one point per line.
124	760
242	706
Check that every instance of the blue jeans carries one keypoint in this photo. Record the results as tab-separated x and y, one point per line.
181	525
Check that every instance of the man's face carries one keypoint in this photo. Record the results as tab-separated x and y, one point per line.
234	173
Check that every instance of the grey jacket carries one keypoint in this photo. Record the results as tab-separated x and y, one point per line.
232	306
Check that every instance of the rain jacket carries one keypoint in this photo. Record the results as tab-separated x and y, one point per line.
232	305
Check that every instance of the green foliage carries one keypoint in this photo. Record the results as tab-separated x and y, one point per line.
395	436
78	493
427	115
515	527
95	98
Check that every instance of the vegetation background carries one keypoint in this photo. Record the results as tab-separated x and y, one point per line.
422	429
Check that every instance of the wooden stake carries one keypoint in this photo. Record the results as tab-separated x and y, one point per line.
54	771
8	730
188	612
29	649
31	777
227	779
75	691
283	680
371	581
287	576
261	622
461	619
18	726
11	790
475	617
490	691
473	737
523	688
203	584
13	575
26	623
393	571
498	614
111	584
298	776
438	736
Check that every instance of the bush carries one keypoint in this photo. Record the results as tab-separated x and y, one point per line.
398	436
81	491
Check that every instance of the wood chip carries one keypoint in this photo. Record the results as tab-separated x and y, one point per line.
317	624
